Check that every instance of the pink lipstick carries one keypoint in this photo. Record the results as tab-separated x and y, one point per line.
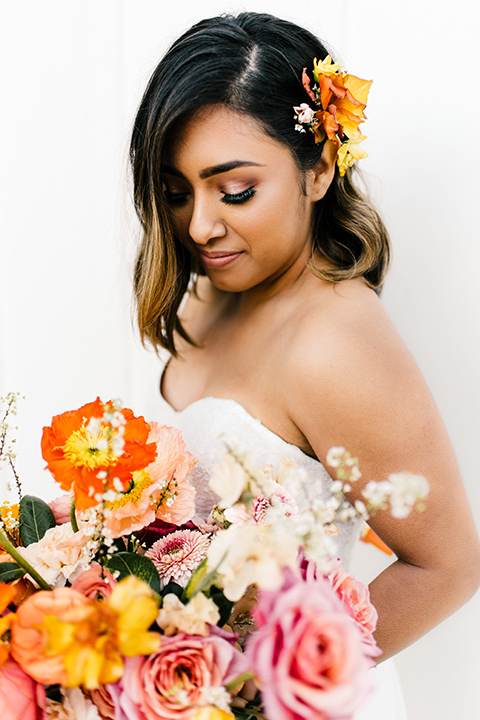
216	260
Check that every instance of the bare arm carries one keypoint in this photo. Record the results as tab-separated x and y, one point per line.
360	388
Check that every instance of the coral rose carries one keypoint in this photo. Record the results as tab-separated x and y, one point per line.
307	653
92	584
28	643
356	598
20	695
186	673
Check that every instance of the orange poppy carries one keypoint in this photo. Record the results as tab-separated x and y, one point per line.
78	451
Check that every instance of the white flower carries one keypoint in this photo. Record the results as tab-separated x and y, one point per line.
219	697
407	490
335	456
250	554
60	555
304	113
377	494
192	618
228	480
75	706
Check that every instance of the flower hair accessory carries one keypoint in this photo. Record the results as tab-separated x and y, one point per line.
341	100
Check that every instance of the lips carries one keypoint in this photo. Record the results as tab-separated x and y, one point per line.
219	258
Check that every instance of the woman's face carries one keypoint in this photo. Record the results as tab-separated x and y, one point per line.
236	201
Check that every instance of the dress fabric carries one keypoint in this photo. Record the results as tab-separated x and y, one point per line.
208	425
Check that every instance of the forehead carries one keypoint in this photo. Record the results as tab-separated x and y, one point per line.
216	134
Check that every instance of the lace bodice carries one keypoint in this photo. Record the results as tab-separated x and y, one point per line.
209	424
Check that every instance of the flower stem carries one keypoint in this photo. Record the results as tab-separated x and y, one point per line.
239	680
12	550
73	518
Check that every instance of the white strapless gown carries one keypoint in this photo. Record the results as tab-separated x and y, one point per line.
206	426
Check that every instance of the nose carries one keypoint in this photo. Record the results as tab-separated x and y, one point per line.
205	223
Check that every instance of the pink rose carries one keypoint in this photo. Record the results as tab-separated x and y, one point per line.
307	653
356	598
103	701
91	583
61	508
179	677
20	695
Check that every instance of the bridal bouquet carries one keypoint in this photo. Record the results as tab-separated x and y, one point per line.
118	603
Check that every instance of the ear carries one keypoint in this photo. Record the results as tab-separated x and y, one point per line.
320	178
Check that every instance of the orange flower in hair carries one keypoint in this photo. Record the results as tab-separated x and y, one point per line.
341	100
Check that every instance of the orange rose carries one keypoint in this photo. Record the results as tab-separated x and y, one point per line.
29	641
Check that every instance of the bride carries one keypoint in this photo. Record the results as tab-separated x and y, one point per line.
254	230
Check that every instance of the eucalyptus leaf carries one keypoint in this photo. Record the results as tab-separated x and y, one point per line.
35	519
10	571
125	563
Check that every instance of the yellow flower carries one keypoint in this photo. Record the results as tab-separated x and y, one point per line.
325	67
211	713
9	513
341	100
93	645
348	152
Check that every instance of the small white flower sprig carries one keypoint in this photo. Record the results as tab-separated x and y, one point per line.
400	493
108	431
262	528
7	451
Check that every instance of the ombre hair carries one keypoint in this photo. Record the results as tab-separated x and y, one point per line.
251	63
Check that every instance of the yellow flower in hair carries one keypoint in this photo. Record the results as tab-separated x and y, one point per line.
348	152
341	100
325	67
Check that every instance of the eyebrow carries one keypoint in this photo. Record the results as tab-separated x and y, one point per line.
215	169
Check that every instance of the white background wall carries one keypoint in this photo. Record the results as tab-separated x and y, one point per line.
72	74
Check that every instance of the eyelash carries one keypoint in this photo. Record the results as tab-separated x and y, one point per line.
228	198
238	198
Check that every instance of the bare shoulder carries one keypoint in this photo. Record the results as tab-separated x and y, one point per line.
353	377
344	329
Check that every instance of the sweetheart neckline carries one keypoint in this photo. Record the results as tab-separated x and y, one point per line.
235	403
244	411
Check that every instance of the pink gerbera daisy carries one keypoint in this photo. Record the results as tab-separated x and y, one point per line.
178	554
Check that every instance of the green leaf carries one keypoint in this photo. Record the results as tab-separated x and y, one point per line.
125	563
35	519
10	571
223	604
173	588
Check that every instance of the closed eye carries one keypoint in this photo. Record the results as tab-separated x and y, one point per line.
238	198
175	197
